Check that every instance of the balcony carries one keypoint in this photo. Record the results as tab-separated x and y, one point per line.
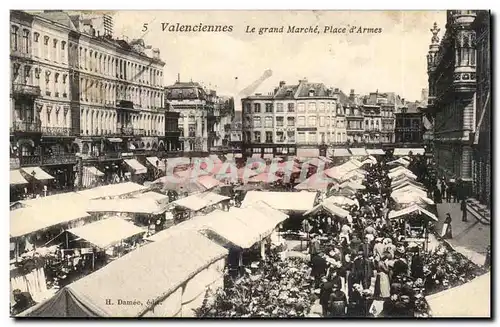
59	159
56	131
26	127
139	132
14	163
25	161
126	130
24	89
125	104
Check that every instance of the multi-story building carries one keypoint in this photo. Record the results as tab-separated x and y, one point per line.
203	116
409	127
96	96
481	172
451	66
172	132
379	110
236	132
41	119
294	119
354	117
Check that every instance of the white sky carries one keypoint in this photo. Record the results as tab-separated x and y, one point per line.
393	61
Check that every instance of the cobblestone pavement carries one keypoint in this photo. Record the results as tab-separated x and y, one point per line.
469	238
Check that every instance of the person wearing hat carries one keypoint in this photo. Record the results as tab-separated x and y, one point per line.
324	295
400	267
378	248
337	302
319	267
23	301
389	248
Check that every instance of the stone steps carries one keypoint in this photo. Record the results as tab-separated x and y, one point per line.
480	211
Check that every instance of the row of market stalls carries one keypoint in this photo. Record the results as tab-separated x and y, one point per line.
177	269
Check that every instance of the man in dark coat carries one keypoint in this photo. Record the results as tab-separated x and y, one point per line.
463	207
319	266
324	295
337	303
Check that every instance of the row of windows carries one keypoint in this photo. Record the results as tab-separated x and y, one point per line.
301	121
292	137
83	58
99	122
301	107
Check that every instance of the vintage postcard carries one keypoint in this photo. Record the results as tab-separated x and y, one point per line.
259	164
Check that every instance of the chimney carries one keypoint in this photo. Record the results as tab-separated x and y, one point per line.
178	77
282	83
352	92
403	101
337	90
276	90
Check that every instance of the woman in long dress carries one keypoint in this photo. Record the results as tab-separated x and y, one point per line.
383	285
446	231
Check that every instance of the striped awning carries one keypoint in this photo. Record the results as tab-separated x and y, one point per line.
136	166
16	178
37	173
341	153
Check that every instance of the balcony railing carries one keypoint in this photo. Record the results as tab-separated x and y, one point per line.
33	160
26	126
59	159
139	132
56	131
25	89
126	130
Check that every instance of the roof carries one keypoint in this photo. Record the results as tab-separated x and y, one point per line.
107	232
319	89
330	207
286	201
341	152
375	152
150	273
358	152
57	16
134	205
316	182
286	92
153	195
199	201
112	190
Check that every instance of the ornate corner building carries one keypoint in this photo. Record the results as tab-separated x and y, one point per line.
453	85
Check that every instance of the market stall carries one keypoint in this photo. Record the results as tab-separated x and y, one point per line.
470	300
375	152
175	283
188	207
298	202
113	190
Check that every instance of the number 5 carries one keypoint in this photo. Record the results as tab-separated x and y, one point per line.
145	27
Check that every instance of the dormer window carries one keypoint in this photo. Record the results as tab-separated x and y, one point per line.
311	93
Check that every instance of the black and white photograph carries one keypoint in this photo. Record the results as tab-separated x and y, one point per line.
260	164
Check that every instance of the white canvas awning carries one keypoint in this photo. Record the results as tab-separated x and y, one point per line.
401	152
132	205
93	171
16	178
157	163
358	152
375	152
32	219
136	166
399	161
268	156
256	155
412	209
341	153
307	153
469	300
208	182
158	197
406	173
199	201
112	190
340	200
330	207
107	232
286	201
37	173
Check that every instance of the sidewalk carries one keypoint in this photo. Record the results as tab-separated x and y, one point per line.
469	238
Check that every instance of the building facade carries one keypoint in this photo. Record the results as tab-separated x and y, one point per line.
204	117
409	126
452	101
294	118
481	165
96	97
